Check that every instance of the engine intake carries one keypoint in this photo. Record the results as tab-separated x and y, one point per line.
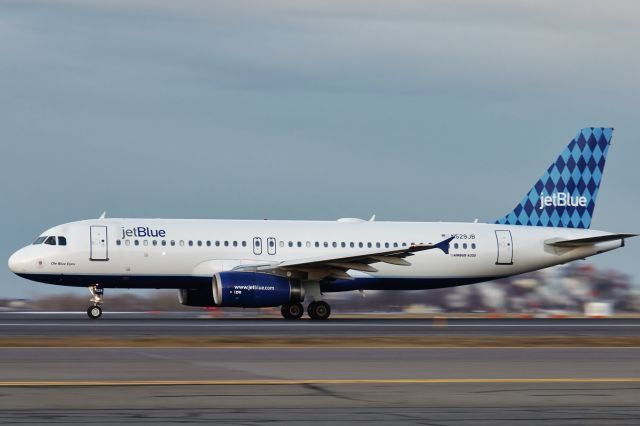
255	290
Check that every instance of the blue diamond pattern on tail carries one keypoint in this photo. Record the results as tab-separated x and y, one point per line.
565	196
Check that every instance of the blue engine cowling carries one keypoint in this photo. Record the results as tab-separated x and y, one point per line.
255	290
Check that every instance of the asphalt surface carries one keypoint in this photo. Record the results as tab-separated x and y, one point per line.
287	385
444	386
282	399
153	325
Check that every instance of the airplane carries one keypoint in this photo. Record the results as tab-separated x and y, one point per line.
271	263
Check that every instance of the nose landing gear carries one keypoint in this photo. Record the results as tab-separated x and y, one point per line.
95	311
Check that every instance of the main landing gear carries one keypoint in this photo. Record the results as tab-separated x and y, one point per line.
95	311
316	310
319	310
292	310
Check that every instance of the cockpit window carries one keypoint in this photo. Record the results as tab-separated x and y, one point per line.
62	241
51	241
39	240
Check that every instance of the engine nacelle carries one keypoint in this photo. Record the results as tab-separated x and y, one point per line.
255	290
196	296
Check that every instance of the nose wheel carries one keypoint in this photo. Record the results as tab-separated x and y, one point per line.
94	312
97	294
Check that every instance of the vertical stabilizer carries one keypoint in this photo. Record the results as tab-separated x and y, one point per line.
565	196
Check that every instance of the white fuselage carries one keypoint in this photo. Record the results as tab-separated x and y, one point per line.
171	253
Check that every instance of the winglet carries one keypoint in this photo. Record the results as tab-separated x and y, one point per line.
444	244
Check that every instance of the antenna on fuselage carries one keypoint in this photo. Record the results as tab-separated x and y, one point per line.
103	215
373	218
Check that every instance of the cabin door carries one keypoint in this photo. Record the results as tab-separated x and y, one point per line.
99	243
257	246
271	246
505	248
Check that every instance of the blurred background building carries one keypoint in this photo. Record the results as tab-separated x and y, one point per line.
574	289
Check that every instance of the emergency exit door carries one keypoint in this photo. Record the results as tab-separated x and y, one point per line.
505	248
99	243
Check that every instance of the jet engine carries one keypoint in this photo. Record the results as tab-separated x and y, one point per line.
245	290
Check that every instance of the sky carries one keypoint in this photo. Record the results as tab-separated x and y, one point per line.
294	109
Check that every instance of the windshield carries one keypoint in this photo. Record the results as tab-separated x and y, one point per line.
39	240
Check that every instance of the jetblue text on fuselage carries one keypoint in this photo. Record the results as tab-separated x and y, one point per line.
562	199
143	231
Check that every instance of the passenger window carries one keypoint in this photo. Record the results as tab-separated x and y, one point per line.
50	241
127	243
244	244
136	242
145	243
226	243
39	240
343	244
378	245
299	243
352	244
190	243
164	242
369	245
456	245
217	243
281	243
235	244
173	243
317	243
199	243
464	246
473	246
386	245
118	242
181	243
395	244
208	243
155	242
290	243
308	244
326	244
334	244
62	241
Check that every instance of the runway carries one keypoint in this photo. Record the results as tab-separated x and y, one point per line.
148	325
320	385
317	384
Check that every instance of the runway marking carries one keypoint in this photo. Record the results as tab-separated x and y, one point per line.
277	382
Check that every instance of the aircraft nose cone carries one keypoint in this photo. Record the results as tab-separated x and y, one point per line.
15	262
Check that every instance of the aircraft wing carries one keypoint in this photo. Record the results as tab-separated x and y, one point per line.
318	268
578	242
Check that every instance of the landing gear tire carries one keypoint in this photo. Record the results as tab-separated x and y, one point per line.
319	310
292	310
94	312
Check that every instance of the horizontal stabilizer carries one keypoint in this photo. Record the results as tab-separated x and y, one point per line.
577	242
